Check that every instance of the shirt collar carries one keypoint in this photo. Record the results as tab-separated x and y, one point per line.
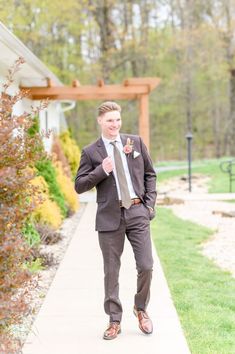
108	141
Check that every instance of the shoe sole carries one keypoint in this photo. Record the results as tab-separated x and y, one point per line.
142	330
112	337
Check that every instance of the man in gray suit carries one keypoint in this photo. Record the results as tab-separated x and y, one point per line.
120	168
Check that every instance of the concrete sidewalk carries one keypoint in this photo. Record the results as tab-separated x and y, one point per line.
72	320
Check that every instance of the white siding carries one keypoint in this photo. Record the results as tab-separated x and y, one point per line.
50	121
32	73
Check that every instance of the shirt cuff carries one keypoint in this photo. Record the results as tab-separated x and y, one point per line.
150	208
105	171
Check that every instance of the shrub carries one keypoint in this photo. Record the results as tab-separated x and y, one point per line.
31	235
34	129
34	265
67	187
48	211
59	155
18	150
41	259
47	170
71	151
48	235
48	260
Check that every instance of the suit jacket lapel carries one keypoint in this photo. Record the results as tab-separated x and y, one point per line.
101	148
102	151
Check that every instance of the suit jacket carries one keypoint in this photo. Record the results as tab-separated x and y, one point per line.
91	174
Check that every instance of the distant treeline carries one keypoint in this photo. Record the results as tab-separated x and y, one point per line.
189	44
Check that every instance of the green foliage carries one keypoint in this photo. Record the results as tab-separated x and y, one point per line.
71	150
34	266
203	294
31	235
47	170
67	187
91	42
34	129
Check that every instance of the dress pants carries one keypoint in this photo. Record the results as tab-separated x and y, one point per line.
135	224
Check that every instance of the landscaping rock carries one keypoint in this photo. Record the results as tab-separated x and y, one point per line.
228	214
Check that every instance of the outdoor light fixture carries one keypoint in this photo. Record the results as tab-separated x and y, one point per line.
189	138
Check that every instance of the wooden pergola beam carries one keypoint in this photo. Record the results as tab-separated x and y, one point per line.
87	91
132	88
84	97
151	82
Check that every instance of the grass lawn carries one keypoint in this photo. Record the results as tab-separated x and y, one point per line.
203	294
219	180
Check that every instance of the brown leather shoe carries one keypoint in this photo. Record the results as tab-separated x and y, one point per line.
145	323
112	331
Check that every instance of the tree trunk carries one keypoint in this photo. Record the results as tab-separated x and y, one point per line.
102	14
216	119
232	113
188	22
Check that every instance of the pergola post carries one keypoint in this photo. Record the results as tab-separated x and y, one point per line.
144	119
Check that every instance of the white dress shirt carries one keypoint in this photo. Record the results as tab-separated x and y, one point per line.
109	148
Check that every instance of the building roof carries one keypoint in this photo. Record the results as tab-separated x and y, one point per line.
33	72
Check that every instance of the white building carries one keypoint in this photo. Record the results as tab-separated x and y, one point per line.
32	73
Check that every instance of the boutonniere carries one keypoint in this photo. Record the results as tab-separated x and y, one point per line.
128	148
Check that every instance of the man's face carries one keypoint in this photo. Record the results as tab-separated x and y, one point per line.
110	124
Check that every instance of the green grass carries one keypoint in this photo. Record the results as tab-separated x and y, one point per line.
219	180
203	294
172	163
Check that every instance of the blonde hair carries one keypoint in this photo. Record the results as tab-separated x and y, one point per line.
108	106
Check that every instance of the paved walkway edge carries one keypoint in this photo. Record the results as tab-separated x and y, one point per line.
71	319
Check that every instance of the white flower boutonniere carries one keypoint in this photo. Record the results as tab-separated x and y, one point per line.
128	148
136	154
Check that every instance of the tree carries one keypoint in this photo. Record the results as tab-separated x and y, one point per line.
223	17
189	44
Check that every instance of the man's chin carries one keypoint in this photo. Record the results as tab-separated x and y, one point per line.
113	135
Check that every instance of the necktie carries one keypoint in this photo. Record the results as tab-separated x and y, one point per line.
125	195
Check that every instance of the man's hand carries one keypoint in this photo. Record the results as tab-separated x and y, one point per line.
151	212
107	164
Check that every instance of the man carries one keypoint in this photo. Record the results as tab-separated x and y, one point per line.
120	168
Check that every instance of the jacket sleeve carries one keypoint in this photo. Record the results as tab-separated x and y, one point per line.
149	177
87	176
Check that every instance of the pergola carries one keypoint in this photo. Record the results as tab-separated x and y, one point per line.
131	89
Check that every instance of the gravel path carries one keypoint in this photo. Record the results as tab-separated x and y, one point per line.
221	246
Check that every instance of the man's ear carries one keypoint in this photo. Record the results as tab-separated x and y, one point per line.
99	119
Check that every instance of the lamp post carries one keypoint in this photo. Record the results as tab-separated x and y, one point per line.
189	138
